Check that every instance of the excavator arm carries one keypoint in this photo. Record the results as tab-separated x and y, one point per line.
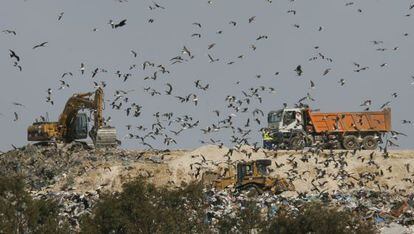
64	129
83	101
73	106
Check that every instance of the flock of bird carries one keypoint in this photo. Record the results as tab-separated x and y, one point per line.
167	126
314	174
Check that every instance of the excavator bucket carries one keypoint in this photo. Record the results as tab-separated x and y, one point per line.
106	137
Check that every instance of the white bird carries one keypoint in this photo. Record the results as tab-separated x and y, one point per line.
366	103
82	68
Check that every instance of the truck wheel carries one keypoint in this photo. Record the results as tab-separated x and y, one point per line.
369	143
297	143
350	142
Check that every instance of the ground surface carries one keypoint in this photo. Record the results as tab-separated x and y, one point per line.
68	170
74	168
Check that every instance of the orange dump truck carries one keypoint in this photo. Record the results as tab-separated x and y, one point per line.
296	128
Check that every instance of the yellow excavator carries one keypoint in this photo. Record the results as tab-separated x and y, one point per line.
73	125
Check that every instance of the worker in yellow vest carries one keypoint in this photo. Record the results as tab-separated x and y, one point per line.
267	139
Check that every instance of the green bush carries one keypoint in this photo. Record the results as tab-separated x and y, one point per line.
316	218
246	219
142	208
19	213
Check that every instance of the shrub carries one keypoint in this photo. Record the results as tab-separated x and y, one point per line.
142	208
246	219
316	218
19	213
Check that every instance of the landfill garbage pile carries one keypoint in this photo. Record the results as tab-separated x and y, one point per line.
74	168
72	205
58	168
381	208
378	186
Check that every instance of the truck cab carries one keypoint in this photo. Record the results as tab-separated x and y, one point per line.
285	127
285	120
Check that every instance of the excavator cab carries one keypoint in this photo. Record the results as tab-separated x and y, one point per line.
79	129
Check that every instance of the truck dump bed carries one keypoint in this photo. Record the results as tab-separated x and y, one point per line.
369	121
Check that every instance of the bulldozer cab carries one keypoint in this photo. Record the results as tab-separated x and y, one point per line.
250	170
253	175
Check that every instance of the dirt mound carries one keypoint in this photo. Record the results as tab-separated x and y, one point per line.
76	176
74	168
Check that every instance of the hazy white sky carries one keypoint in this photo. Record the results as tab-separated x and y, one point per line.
346	36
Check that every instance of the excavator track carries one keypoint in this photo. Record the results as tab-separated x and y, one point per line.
106	137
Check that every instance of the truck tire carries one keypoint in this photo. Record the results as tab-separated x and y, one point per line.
350	142
297	143
369	143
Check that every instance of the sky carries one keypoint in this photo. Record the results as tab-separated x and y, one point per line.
318	35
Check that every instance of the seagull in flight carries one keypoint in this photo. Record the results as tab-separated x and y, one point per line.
60	15
120	24
82	68
366	103
9	31
18	104
14	55
43	44
299	70
211	59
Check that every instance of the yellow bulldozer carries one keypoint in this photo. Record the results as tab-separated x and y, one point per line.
73	125
253	175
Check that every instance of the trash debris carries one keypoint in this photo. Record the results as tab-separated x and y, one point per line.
364	202
75	177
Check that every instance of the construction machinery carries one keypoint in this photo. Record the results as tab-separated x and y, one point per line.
296	128
253	175
73	125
